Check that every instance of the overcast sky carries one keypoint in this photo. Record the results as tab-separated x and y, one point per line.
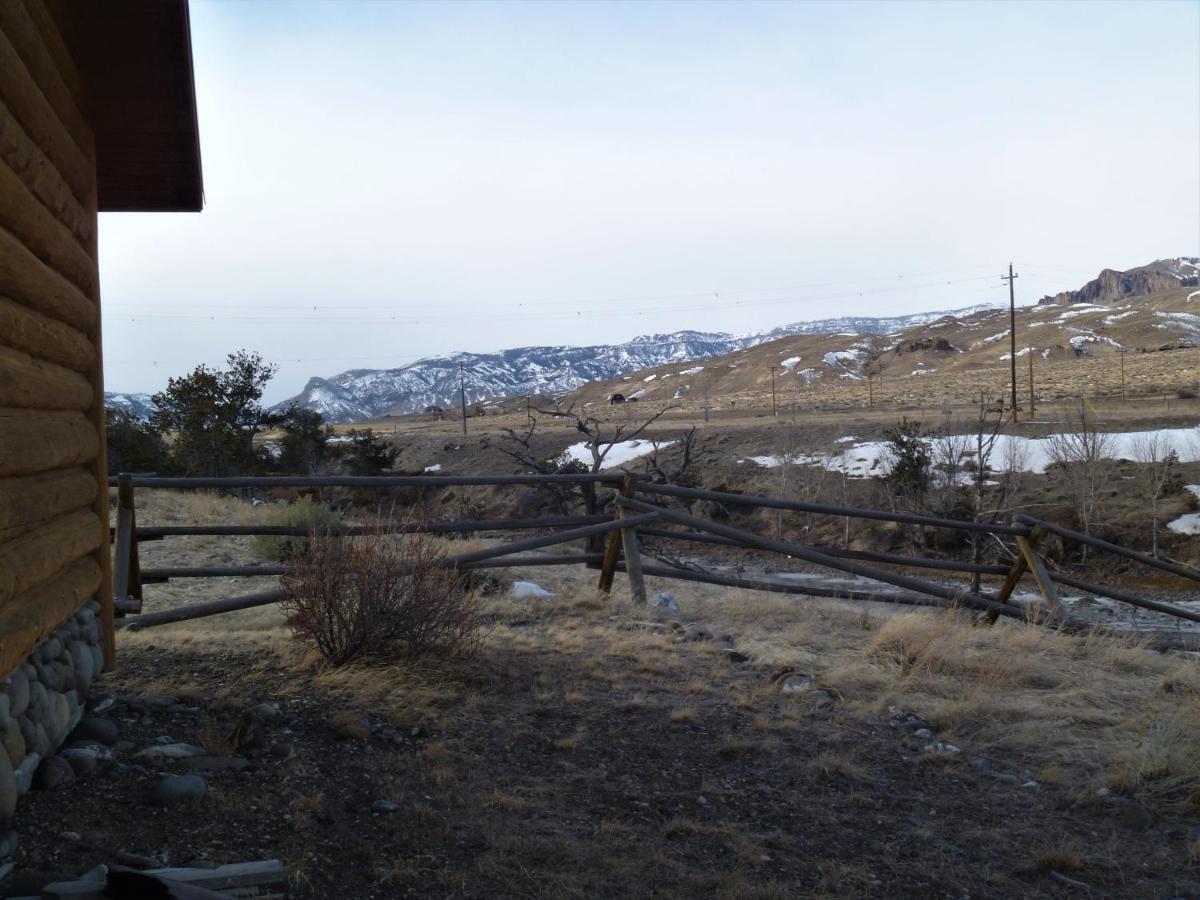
386	181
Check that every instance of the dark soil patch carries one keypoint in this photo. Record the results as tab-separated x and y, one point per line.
508	787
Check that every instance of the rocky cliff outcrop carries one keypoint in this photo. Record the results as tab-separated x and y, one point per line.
1112	286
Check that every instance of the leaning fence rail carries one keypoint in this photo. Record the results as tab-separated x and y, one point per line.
641	510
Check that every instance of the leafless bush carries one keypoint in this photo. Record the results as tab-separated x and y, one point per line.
379	595
1078	450
1158	464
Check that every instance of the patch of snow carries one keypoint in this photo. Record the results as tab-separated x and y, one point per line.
649	378
1117	317
1191	295
1072	313
790	363
523	590
1025	454
1188	523
617	454
1079	342
436	467
692	371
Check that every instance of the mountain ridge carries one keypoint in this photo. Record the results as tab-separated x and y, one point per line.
363	393
540	369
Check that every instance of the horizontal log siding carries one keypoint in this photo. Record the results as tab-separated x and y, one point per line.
34	168
38	554
22	32
29	383
35	613
33	500
26	280
53	506
41	441
45	338
24	97
23	214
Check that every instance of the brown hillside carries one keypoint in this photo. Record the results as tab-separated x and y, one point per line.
1075	352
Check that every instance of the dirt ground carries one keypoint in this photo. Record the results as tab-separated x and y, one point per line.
587	751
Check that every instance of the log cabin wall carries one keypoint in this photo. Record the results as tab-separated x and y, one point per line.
54	552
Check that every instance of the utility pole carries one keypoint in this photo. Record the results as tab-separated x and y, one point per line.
1030	351
706	406
870	389
462	394
773	412
1122	353
1012	334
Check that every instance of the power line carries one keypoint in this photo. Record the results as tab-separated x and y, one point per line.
474	305
325	320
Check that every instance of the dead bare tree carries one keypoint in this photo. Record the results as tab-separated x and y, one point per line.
677	471
989	425
1079	449
599	441
600	438
519	446
1158	462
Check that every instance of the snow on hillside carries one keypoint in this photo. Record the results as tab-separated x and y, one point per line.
139	406
365	393
868	458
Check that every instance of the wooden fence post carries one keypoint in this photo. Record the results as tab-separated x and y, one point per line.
633	564
128	578
612	552
1019	567
1038	567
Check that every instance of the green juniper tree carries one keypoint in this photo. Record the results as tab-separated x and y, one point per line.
214	415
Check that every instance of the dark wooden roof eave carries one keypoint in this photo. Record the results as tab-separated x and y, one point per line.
135	57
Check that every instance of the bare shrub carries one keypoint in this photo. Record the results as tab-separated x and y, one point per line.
1078	451
1158	465
303	512
379	595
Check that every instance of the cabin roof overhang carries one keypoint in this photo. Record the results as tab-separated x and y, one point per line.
135	57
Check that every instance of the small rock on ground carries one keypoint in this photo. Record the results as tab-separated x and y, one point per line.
665	601
53	773
96	728
175	789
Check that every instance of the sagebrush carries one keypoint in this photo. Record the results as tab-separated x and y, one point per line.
303	512
379	595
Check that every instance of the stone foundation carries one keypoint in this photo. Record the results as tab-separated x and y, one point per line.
43	700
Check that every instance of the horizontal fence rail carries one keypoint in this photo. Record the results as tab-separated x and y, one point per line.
636	518
365	481
950	595
852	512
894	559
1080	538
456	527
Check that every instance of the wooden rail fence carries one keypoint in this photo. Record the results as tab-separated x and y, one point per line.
643	511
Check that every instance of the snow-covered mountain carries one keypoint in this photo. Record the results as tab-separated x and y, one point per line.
138	405
366	393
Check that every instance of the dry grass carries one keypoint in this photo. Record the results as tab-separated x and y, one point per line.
1093	711
839	764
